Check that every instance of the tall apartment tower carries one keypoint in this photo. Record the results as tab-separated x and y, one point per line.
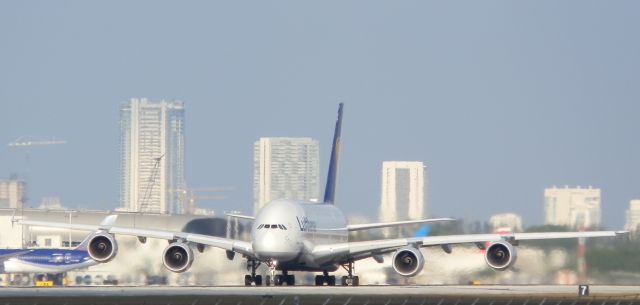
633	217
403	191
573	207
12	193
285	168
152	156
505	221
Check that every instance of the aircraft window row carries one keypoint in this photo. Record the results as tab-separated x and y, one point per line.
270	226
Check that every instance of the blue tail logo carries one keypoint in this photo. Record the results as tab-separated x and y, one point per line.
330	189
423	231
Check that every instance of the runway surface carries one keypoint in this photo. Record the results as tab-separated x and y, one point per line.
401	295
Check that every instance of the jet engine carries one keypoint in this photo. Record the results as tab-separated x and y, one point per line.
407	261
102	247
500	255
177	257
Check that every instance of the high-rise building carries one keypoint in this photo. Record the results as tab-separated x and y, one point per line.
285	168
152	156
403	191
12	193
506	221
633	216
573	207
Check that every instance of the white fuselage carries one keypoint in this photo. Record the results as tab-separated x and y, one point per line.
19	266
285	232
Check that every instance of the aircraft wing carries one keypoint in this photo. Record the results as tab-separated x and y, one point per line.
239	246
106	224
358	250
234	245
240	216
61	225
368	226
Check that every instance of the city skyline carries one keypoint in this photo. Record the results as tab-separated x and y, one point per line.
285	168
498	104
575	207
403	193
152	156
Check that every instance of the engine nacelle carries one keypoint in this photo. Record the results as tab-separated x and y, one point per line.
407	261
500	255
177	257
102	247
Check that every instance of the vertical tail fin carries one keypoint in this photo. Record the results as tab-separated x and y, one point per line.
85	242
106	224
330	188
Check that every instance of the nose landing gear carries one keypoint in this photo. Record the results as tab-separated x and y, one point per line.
284	278
325	278
279	279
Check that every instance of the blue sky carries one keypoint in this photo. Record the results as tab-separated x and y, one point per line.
499	98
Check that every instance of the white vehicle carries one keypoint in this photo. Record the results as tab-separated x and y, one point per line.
289	235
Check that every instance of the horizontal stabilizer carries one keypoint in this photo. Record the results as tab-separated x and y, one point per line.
368	226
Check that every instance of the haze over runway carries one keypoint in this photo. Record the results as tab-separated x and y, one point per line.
500	100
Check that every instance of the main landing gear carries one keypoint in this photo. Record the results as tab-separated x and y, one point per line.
253	278
350	280
347	280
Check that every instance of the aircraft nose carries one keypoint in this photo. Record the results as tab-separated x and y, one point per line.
274	245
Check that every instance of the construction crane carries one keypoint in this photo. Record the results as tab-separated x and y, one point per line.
28	141
189	196
144	204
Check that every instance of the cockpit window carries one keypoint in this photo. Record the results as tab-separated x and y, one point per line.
272	226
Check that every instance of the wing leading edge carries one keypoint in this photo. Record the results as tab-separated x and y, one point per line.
363	249
218	242
377	225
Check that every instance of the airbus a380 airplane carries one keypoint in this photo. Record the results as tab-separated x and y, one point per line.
289	235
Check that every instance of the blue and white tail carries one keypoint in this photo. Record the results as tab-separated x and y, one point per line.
330	188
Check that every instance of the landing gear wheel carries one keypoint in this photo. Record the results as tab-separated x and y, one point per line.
319	280
268	280
330	280
278	280
350	279
252	278
290	279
